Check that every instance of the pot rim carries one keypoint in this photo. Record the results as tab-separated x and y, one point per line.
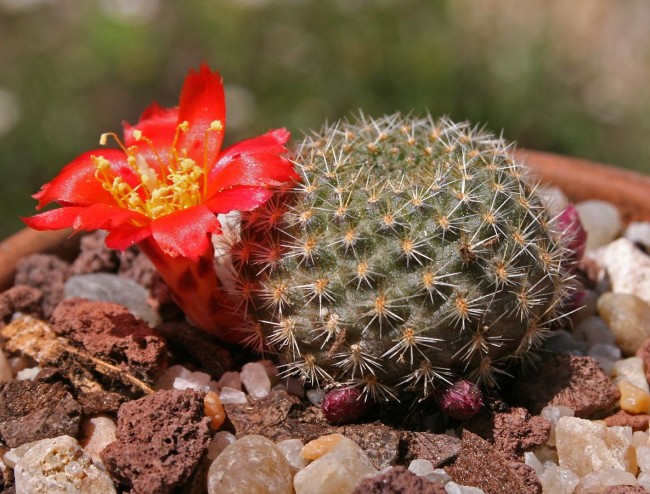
579	179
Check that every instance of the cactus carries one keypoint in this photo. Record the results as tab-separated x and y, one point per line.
412	253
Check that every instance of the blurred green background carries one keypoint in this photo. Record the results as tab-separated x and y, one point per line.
565	76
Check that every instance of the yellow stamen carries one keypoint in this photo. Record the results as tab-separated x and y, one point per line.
169	182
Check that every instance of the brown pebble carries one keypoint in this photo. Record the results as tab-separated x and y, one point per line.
398	480
23	298
34	410
160	440
623	418
47	273
439	449
624	489
97	402
512	431
566	380
200	348
480	465
94	256
110	332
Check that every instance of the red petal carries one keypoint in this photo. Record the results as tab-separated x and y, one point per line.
158	125
54	219
107	217
76	183
272	142
126	236
238	198
202	102
252	170
185	233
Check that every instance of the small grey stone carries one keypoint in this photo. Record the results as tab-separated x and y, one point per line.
106	287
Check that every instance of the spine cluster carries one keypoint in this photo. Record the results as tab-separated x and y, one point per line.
413	252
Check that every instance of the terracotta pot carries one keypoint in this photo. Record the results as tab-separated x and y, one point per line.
579	179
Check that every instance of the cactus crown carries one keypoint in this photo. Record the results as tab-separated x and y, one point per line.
413	252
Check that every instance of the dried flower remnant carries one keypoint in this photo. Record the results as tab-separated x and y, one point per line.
163	187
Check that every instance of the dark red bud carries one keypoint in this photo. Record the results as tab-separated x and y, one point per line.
462	400
345	405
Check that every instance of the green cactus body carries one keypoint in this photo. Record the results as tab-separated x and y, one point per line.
412	253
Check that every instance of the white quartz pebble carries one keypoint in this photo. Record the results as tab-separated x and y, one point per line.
601	220
179	377
639	233
99	432
230	396
627	267
336	472
251	464
421	467
292	451
59	465
631	370
454	488
643	479
553	414
533	462
584	446
315	396
230	379
558	480
255	379
643	458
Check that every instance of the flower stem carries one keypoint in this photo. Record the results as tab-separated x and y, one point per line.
196	288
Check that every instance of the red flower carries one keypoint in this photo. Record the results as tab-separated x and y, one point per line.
170	176
163	188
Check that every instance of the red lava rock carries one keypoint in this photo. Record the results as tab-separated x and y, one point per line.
160	440
47	273
439	449
644	354
624	489
110	332
97	402
462	400
21	298
398	480
94	256
512	431
637	422
34	410
205	350
345	405
480	465
568	380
